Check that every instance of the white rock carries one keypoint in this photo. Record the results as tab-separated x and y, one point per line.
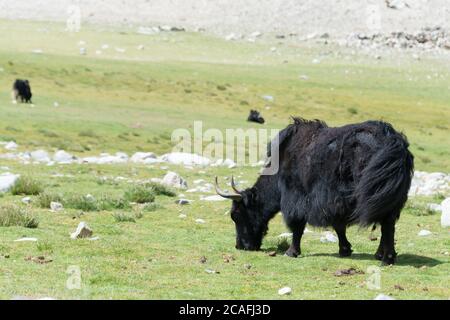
201	221
435	207
11	146
383	297
63	157
172	179
56	206
328	237
183	202
83	231
40	156
268	98
213	198
83	51
182	216
7	181
26	240
445	217
144	157
26	200
141	47
285	235
284	291
424	233
187	159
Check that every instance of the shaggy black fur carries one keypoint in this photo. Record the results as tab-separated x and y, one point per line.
355	174
22	90
255	116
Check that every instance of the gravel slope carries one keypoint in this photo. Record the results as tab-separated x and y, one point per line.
336	17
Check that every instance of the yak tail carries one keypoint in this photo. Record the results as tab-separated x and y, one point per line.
383	188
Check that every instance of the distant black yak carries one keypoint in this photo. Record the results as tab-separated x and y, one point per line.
22	91
255	116
355	174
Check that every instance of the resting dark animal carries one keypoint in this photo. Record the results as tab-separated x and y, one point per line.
22	91
355	174
255	116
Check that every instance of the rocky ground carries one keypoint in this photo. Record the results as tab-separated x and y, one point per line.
373	23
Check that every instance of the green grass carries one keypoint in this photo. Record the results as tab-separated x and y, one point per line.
26	186
132	102
13	215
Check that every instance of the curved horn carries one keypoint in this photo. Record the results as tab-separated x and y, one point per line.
236	197
233	185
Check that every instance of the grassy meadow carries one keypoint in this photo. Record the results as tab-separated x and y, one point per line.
128	99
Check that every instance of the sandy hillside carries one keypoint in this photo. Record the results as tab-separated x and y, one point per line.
336	17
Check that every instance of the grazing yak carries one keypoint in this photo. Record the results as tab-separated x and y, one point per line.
355	174
255	116
22	90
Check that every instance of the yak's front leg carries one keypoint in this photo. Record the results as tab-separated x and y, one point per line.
297	227
345	248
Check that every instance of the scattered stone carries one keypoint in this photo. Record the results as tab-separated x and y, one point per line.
183	202
434	207
200	221
187	159
63	157
83	51
285	235
56	206
227	258
328	237
247	266
26	239
268	98
210	271
83	231
182	216
285	291
172	179
424	233
144	157
11	146
399	287
7	181
445	217
383	297
272	254
26	200
203	259
40	156
212	198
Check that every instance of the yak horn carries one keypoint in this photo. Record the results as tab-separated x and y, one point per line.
236	197
233	185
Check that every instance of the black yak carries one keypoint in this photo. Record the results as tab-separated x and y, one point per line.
22	90
355	174
255	116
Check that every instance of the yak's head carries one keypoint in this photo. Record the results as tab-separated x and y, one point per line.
246	214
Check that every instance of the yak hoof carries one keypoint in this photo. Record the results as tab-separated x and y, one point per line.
345	252
292	253
378	255
388	259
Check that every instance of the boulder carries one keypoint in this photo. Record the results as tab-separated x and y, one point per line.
11	146
7	181
56	206
40	156
187	159
172	179
83	231
445	217
63	157
144	157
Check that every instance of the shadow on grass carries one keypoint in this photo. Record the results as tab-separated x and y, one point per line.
406	259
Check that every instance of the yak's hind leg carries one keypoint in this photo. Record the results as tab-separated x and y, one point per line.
386	251
345	248
297	227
